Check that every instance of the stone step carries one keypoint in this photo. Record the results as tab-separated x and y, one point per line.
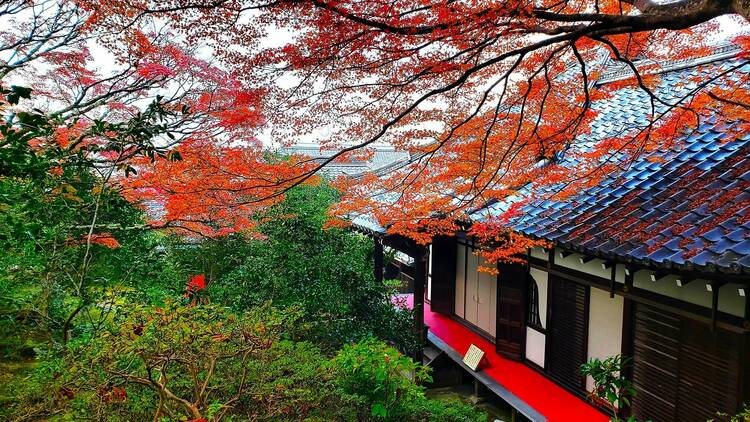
429	354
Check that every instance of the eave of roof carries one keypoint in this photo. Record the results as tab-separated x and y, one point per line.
703	150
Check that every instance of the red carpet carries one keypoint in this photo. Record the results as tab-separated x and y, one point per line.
552	401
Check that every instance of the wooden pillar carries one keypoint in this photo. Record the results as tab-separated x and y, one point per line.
420	281
746	322
628	332
551	258
714	303
378	260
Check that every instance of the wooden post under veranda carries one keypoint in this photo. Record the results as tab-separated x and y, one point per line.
420	282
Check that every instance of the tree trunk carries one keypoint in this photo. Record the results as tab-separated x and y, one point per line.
742	8
69	321
686	13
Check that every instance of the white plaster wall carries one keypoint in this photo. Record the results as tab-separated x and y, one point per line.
730	300
605	327
592	267
542	280
535	346
694	292
539	253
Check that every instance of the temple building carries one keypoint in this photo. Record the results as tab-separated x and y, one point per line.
380	158
653	263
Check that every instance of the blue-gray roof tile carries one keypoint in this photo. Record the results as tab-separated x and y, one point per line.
687	204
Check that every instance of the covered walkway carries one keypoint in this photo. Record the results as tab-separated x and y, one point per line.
527	386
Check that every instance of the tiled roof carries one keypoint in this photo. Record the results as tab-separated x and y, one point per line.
617	70
383	157
687	206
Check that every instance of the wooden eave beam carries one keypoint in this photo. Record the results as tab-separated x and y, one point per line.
628	291
658	275
399	243
684	280
585	259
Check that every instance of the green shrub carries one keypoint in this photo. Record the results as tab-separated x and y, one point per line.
326	272
296	381
610	385
389	385
180	362
169	361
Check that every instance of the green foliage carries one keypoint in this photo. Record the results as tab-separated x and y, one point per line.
178	362
296	381
383	376
160	361
15	93
100	330
609	383
43	236
743	416
326	272
389	384
54	282
56	200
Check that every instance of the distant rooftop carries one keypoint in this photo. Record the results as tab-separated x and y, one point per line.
616	70
383	157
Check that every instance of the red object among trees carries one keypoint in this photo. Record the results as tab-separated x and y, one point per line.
196	283
104	239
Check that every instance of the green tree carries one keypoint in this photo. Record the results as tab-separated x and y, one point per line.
62	219
327	272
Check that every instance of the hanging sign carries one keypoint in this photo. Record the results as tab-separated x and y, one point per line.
473	357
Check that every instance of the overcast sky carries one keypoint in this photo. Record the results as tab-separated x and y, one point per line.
730	26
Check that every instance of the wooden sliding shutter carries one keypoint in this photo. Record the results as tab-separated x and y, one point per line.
510	332
443	274
567	332
681	369
709	369
656	352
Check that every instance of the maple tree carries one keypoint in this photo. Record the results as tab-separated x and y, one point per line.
487	96
125	101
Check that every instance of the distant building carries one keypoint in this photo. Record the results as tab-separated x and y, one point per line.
382	159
